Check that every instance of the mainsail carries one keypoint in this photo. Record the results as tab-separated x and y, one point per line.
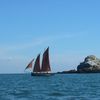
46	62
37	64
29	65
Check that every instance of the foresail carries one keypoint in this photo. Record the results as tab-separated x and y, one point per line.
29	65
37	64
45	61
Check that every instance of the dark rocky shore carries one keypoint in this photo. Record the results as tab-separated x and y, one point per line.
91	64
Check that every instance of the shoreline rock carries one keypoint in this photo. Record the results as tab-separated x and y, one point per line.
91	64
68	72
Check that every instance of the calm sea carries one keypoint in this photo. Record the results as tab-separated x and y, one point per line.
57	87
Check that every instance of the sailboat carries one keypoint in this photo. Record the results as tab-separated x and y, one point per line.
41	70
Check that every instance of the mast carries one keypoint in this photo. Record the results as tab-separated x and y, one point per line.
29	65
37	64
45	61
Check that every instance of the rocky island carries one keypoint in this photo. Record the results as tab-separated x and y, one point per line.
91	64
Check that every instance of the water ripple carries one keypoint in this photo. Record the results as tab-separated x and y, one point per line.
58	87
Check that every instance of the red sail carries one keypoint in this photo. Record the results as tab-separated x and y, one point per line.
37	64
45	61
29	65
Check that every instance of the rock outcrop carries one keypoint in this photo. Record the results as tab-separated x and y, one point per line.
91	64
67	72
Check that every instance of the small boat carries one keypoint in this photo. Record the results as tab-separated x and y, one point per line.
44	69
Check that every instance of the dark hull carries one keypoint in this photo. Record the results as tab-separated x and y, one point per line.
42	74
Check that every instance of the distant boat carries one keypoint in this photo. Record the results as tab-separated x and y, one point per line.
41	70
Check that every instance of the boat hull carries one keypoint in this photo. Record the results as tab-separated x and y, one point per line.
42	74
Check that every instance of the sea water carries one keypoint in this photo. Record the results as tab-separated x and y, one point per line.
57	87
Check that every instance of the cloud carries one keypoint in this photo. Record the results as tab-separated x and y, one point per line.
35	42
10	51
